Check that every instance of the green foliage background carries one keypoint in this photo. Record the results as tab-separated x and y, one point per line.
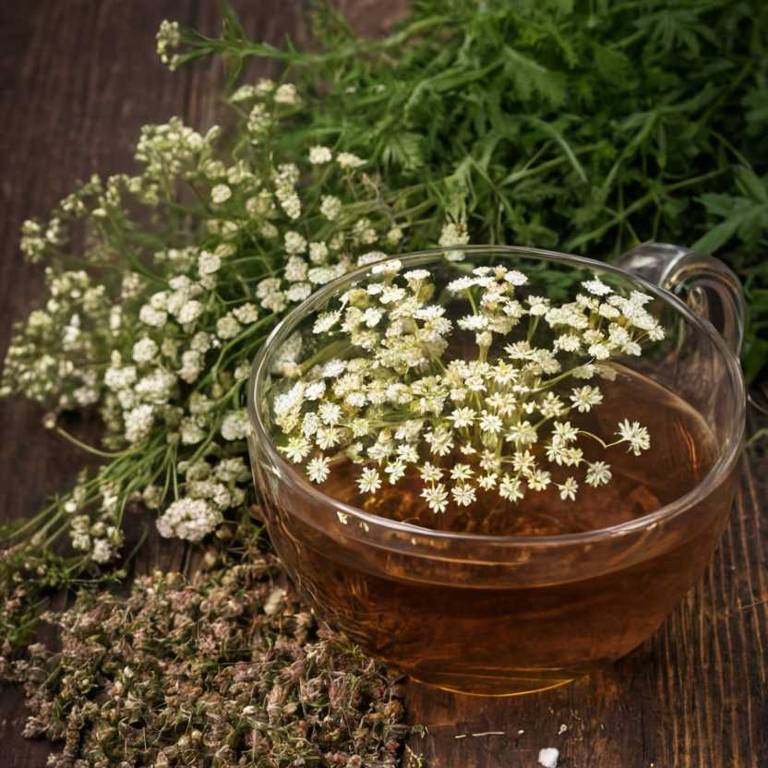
584	125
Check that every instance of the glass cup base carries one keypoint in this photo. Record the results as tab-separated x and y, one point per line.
495	683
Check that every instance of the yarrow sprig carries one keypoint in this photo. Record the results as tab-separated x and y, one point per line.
162	343
399	403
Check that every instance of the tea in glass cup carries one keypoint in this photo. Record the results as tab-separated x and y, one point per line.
557	519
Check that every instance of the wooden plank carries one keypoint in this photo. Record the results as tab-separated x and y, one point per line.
77	79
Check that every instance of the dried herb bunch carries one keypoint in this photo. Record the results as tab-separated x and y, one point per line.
225	669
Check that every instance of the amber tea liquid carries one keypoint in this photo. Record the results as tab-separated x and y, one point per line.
533	616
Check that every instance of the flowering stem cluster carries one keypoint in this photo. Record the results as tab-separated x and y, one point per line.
186	268
391	395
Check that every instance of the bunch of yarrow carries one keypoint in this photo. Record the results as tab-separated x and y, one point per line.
397	403
158	331
162	285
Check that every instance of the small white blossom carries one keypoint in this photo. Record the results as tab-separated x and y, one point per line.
155	318
430	473
286	94
635	435
235	425
208	263
227	327
585	398
144	350
348	160
220	194
297	449
463	495
568	489
436	497
539	480
318	470
510	488
330	207
190	519
139	422
189	312
294	243
369	481
318	155
598	473
453	233
597	287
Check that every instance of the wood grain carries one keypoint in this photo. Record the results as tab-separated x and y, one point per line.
77	79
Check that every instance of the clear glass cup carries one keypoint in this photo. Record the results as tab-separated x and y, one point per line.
506	615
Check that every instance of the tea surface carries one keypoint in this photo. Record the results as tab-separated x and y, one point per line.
682	451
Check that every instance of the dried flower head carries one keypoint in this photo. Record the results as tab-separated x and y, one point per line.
223	670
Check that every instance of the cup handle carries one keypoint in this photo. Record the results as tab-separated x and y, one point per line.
707	285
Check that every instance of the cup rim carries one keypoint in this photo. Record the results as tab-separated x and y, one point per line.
725	462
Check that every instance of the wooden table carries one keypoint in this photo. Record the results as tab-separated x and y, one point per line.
77	79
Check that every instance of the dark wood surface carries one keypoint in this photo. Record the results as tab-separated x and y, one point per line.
77	79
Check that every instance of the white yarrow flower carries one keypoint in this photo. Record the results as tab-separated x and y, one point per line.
220	194
369	481
598	473
568	489
348	160
190	519
635	435
319	155
287	94
496	422
235	425
317	469
436	497
597	287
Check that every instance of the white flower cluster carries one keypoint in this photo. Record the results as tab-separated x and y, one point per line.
210	490
101	537
168	39
173	148
401	408
163	346
43	360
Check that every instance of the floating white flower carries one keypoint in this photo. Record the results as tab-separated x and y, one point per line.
463	495
584	398
436	497
568	489
506	421
369	481
598	473
597	287
348	160
318	469
635	435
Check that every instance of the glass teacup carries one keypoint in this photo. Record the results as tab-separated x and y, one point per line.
508	614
